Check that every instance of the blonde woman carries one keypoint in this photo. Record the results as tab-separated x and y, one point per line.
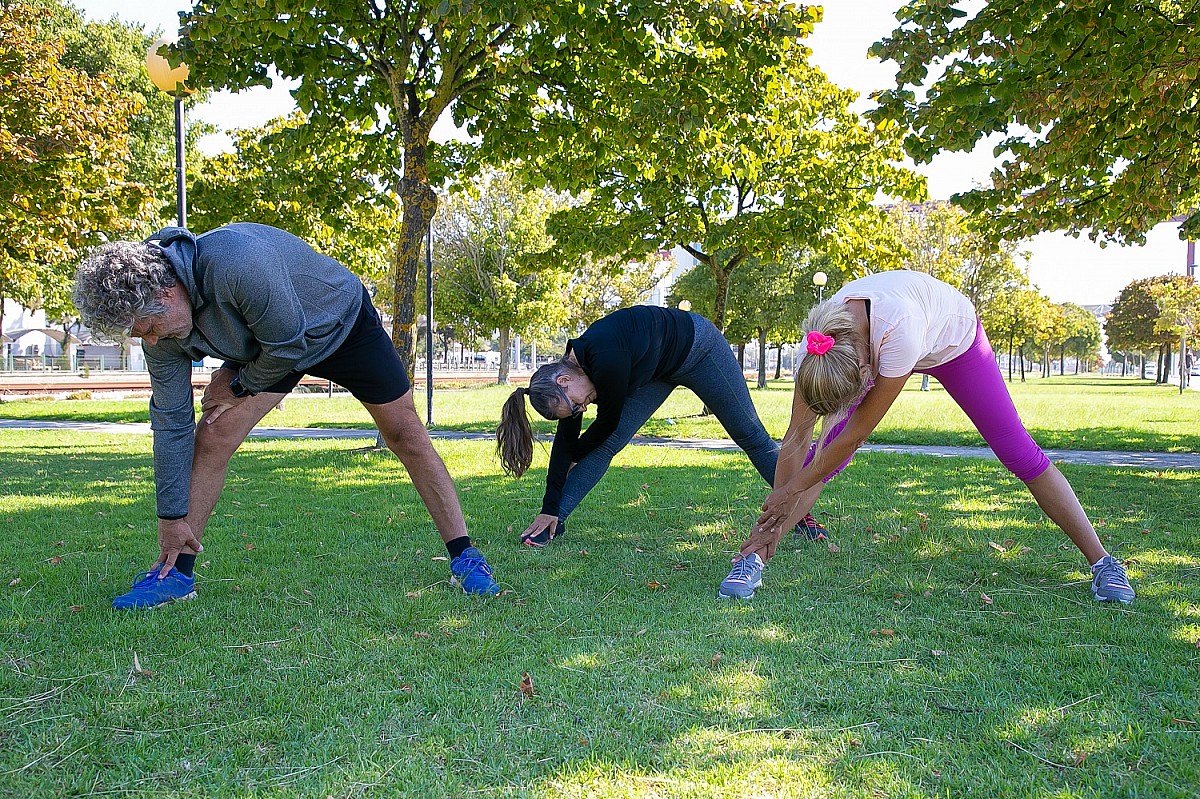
862	345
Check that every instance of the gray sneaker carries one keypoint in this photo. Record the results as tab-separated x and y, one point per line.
745	576
1109	581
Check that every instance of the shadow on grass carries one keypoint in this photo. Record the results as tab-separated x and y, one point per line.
324	627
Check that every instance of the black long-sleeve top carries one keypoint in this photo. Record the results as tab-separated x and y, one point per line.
620	353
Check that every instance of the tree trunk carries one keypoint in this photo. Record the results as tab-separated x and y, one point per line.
505	356
420	204
742	356
762	357
1010	358
778	361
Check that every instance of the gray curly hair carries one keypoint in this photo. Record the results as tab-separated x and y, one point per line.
119	283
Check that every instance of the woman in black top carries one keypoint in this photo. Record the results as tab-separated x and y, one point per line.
626	364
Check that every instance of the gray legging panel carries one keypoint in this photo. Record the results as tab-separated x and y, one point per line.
713	374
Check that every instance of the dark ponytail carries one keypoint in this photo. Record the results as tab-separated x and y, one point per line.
514	436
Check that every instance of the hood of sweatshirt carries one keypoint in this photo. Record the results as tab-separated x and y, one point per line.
179	246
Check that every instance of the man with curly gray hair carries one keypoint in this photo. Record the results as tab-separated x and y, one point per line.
274	310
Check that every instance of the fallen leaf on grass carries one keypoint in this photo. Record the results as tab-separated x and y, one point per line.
886	632
654	585
997	547
412	594
526	684
76	608
1079	758
54	561
137	670
505	592
1009	543
439	557
419	634
716	658
833	548
987	600
680	567
1184	722
249	547
937	653
14	582
894	538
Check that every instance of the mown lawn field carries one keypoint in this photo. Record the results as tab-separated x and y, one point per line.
944	645
1090	413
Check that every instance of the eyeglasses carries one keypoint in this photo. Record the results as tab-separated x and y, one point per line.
575	409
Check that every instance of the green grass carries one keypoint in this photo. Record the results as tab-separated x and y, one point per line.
327	656
1089	413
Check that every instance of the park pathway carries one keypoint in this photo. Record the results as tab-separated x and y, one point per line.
1135	460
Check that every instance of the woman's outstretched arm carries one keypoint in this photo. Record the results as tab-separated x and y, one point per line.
780	510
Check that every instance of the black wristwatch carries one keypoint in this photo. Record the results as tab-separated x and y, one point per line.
237	389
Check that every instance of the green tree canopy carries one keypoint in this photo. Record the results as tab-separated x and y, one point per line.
1093	101
64	158
488	276
397	68
796	169
320	188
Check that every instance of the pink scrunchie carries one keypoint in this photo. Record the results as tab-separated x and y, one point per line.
819	343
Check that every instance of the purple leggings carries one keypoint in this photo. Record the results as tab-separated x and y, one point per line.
974	381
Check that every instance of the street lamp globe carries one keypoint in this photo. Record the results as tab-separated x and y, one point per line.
819	280
168	80
172	81
684	305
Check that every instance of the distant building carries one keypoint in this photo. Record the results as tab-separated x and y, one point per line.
683	262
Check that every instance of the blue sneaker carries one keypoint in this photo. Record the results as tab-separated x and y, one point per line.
809	528
150	592
1109	581
745	576
471	572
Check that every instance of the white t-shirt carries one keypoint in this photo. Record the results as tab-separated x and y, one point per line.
917	322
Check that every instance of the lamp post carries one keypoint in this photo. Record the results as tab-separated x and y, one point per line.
819	280
172	82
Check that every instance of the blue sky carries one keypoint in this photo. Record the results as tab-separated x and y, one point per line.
1066	269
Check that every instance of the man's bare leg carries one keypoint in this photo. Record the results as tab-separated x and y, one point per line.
407	437
215	445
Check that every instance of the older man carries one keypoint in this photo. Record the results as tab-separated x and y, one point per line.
274	310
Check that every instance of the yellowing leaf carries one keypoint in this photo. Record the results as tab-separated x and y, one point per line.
526	684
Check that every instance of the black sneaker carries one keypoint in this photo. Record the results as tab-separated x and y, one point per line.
809	528
540	539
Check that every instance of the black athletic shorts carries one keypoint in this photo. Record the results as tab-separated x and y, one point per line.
366	364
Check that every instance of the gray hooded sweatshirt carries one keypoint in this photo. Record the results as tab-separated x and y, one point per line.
261	298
